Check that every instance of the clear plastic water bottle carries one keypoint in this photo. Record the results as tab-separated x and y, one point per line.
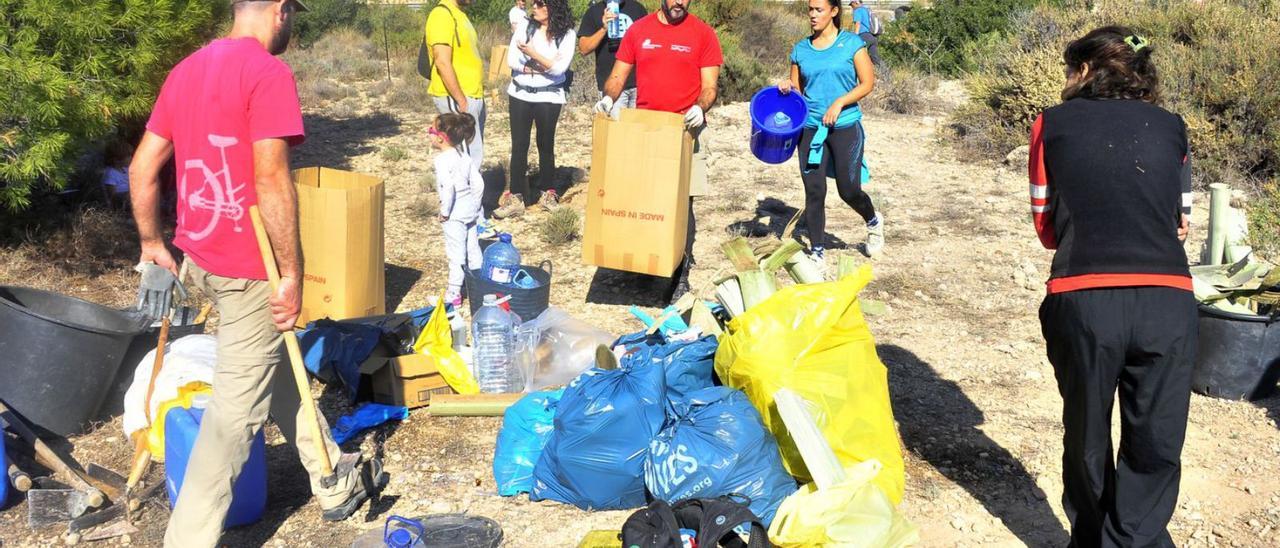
615	30
501	261
781	121
493	343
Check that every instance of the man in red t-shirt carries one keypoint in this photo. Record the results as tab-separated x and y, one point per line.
677	61
228	113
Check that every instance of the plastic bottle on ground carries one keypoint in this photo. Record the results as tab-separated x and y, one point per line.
493	343
501	260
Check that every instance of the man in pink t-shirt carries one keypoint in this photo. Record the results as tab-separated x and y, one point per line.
228	114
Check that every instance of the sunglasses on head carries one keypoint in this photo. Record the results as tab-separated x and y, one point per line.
539	4
435	132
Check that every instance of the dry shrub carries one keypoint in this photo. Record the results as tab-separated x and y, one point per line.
903	90
94	241
425	204
1213	73
561	226
324	69
1264	221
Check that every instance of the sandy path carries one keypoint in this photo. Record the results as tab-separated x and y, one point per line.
975	399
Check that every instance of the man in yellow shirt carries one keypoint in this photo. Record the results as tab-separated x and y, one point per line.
457	72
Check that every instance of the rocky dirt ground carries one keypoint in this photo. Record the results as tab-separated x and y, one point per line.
962	276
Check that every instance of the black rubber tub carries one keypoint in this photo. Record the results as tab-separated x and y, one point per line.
526	303
59	355
1239	356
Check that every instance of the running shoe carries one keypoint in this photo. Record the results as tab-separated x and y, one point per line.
875	237
819	257
513	208
549	201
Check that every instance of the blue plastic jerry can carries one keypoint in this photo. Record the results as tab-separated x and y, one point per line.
248	495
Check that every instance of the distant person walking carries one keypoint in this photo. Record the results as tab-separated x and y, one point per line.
1111	191
459	186
593	38
231	108
539	55
517	16
867	27
833	71
676	58
457	72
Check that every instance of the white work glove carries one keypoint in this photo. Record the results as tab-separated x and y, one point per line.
605	106
693	118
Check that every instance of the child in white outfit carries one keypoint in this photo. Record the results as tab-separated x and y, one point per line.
460	187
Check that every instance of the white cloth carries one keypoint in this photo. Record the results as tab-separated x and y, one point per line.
459	186
186	360
517	17
475	107
561	55
461	246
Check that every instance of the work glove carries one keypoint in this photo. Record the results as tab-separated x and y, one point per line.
605	106
156	290
693	118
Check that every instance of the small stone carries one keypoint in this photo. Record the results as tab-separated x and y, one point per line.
1249	489
440	507
125	540
1254	523
958	524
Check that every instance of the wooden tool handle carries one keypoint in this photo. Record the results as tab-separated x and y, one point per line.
46	457
156	366
291	344
19	479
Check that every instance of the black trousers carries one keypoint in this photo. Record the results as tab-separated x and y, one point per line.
524	116
843	147
1141	340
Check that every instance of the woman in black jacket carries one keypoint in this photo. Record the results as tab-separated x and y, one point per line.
1110	192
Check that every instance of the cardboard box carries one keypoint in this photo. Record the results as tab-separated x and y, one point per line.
341	224
499	72
638	195
408	380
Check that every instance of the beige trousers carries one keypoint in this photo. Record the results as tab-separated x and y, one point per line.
251	380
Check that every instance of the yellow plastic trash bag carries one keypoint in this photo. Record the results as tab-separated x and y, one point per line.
155	436
436	340
854	513
812	339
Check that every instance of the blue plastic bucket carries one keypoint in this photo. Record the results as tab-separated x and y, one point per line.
776	121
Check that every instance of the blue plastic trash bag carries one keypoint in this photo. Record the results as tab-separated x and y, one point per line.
595	456
715	444
688	365
525	428
336	349
367	416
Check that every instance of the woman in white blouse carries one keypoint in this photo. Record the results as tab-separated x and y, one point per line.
539	55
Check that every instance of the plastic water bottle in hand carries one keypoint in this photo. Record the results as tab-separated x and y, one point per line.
501	261
493	336
615	31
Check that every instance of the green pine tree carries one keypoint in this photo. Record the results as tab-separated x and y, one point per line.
74	71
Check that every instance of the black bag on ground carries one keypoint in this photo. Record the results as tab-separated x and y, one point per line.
712	520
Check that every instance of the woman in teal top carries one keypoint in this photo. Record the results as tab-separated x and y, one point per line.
833	71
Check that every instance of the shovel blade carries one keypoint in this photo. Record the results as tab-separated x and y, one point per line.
47	507
106	475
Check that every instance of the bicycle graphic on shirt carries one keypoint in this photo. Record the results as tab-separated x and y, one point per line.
217	196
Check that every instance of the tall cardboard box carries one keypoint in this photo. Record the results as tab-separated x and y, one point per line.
638	195
499	71
341	216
